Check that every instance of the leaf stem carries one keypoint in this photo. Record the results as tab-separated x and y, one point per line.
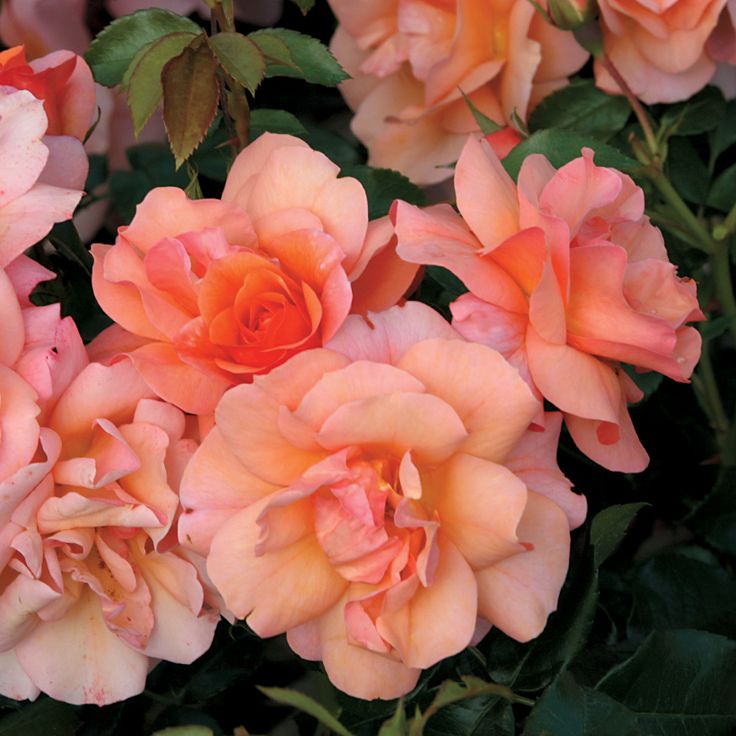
723	284
706	385
728	226
702	238
636	106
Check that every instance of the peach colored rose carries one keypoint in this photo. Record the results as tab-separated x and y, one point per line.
381	501
212	292
567	279
659	48
40	177
93	589
721	47
409	59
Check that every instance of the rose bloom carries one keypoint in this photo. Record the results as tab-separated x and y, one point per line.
37	345
381	501
41	176
410	59
659	48
721	47
212	292
568	279
62	80
93	589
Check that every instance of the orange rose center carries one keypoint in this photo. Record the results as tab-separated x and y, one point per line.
368	529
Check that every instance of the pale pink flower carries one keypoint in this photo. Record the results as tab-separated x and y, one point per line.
568	279
381	501
40	178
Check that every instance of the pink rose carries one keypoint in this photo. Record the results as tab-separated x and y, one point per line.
43	26
659	48
41	176
259	12
93	588
409	59
568	279
722	48
40	347
212	292
62	81
381	501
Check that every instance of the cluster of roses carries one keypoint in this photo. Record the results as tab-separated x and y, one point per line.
413	61
268	431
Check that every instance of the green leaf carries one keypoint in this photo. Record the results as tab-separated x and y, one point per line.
724	136
715	518
672	591
308	705
687	172
722	194
65	238
609	528
583	108
44	717
336	147
304	5
185	731
143	78
275	53
152	166
113	50
482	716
486	125
310	59
240	58
715	327
213	158
530	666
447	280
678	682
396	725
275	121
567	709
451	692
98	172
701	113
383	186
191	94
562	146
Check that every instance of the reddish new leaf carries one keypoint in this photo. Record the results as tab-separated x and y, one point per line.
191	94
